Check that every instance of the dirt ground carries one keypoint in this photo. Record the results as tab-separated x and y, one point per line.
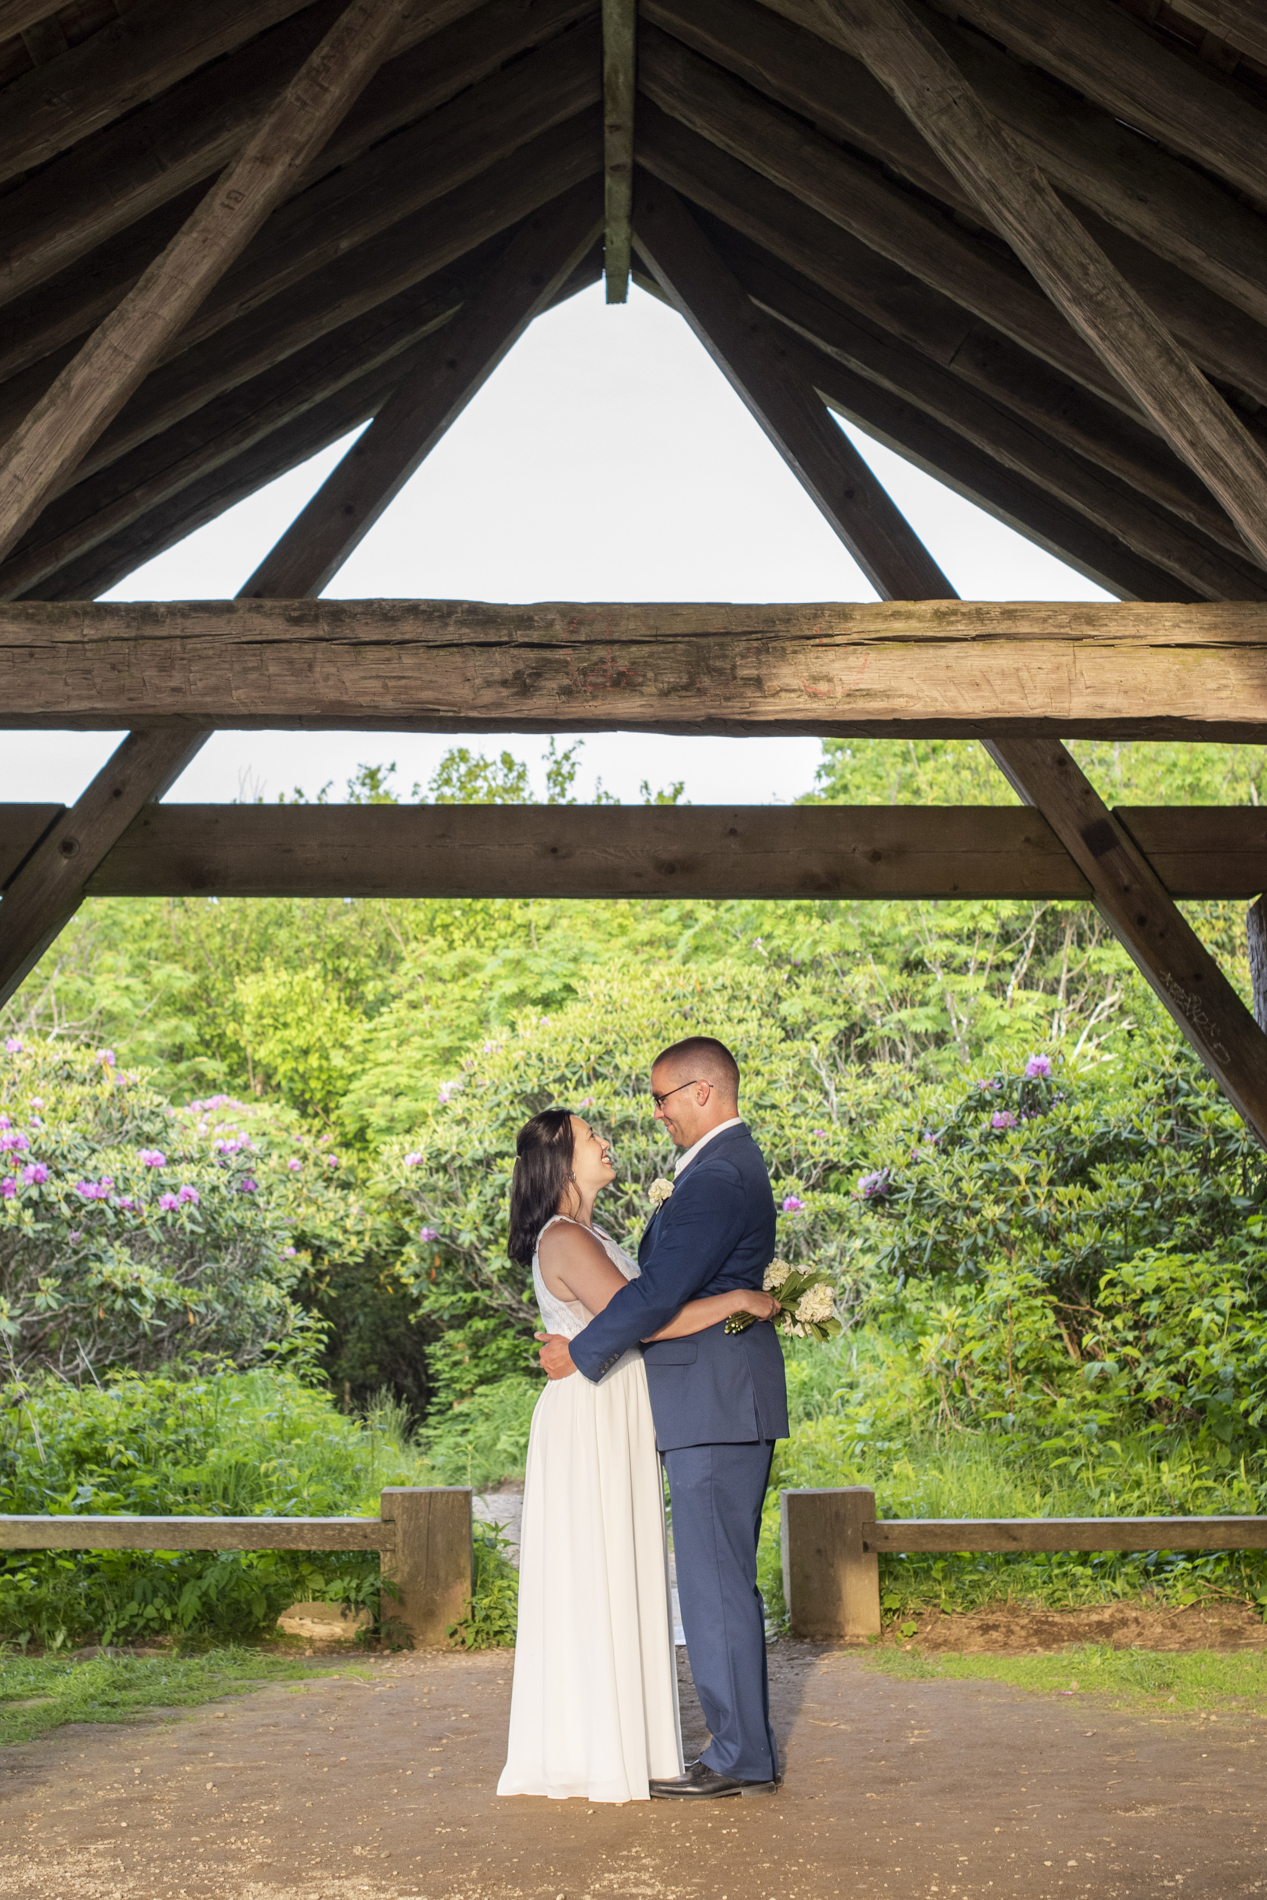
1008	1631
383	1790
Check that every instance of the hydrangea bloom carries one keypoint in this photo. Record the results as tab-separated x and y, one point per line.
1002	1118
35	1175
775	1274
1038	1068
428	1233
871	1185
791	1205
153	1158
189	1194
167	1202
815	1305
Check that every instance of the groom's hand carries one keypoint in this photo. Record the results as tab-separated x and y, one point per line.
556	1360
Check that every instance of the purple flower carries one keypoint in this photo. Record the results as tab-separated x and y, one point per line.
332	1161
1002	1118
36	1175
294	1165
167	1202
125	1203
14	1141
791	1205
8	1187
13	1045
445	1091
428	1233
247	1186
821	1133
37	1101
1038	1067
871	1185
413	1161
189	1194
153	1158
75	1237
288	1253
929	1136
105	1056
5	1122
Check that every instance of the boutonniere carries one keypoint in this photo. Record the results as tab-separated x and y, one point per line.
660	1192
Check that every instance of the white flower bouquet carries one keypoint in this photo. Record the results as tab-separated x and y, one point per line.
807	1303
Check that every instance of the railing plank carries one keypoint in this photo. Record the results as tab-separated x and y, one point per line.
196	1533
1066	1533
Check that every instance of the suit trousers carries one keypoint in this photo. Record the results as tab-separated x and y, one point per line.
717	1493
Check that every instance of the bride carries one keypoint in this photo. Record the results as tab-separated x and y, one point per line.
593	1709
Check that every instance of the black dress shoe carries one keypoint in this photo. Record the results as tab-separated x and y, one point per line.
701	1783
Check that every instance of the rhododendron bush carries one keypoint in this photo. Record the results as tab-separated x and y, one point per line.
133	1233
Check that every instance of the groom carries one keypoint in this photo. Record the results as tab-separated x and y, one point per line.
719	1401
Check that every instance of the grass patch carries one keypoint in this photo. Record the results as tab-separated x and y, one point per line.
1198	1680
42	1693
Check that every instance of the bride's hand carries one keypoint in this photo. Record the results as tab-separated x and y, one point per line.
753	1300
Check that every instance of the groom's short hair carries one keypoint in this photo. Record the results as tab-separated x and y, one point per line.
711	1060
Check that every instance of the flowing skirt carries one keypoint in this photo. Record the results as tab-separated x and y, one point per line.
593	1710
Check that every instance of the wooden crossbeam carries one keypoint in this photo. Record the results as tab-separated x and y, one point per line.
619	51
751	356
867	852
1239	22
1017	199
93	388
536	265
939	668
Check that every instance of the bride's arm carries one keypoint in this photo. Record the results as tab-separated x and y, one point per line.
698	1315
572	1259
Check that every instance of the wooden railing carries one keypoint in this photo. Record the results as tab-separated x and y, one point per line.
423	1537
832	1540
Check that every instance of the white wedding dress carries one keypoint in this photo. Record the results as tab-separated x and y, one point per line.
593	1709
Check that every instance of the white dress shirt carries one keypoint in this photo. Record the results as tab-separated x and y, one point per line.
684	1161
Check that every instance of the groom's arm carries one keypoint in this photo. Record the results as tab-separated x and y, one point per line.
698	1231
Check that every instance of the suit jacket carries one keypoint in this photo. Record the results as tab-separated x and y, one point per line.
715	1233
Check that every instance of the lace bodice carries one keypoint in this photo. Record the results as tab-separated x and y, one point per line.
569	1317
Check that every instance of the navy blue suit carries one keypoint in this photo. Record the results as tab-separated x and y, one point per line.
719	1401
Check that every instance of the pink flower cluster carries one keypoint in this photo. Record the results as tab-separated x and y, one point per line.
96	1190
13	1141
13	1045
1038	1068
225	1147
792	1205
1002	1118
152	1158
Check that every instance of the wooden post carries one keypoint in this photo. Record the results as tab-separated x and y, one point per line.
1256	934
431	1570
619	49
46	449
831	1582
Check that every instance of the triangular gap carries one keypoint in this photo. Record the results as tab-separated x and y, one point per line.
606	458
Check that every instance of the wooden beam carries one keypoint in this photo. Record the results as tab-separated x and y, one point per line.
99	189
1133	901
44	894
1103	53
1239	22
17	15
92	389
619	48
750	354
864	852
945	668
1152	532
537	264
1176	211
1071	268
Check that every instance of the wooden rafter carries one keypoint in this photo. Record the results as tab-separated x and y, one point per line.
1239	22
93	388
871	852
619	53
536	265
751	356
1070	266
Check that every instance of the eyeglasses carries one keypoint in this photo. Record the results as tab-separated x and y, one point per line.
660	1100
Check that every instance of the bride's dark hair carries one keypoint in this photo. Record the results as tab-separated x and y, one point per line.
543	1172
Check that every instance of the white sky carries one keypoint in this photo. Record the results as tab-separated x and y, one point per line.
606	459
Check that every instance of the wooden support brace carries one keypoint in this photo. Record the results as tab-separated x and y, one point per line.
831	1581
96	383
538	261
430	1573
619	57
992	165
751	355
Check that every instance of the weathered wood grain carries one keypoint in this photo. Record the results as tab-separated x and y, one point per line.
619	48
930	667
21	828
45	892
111	365
1239	22
1067	1533
537	263
1076	274
753	357
698	851
196	1533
